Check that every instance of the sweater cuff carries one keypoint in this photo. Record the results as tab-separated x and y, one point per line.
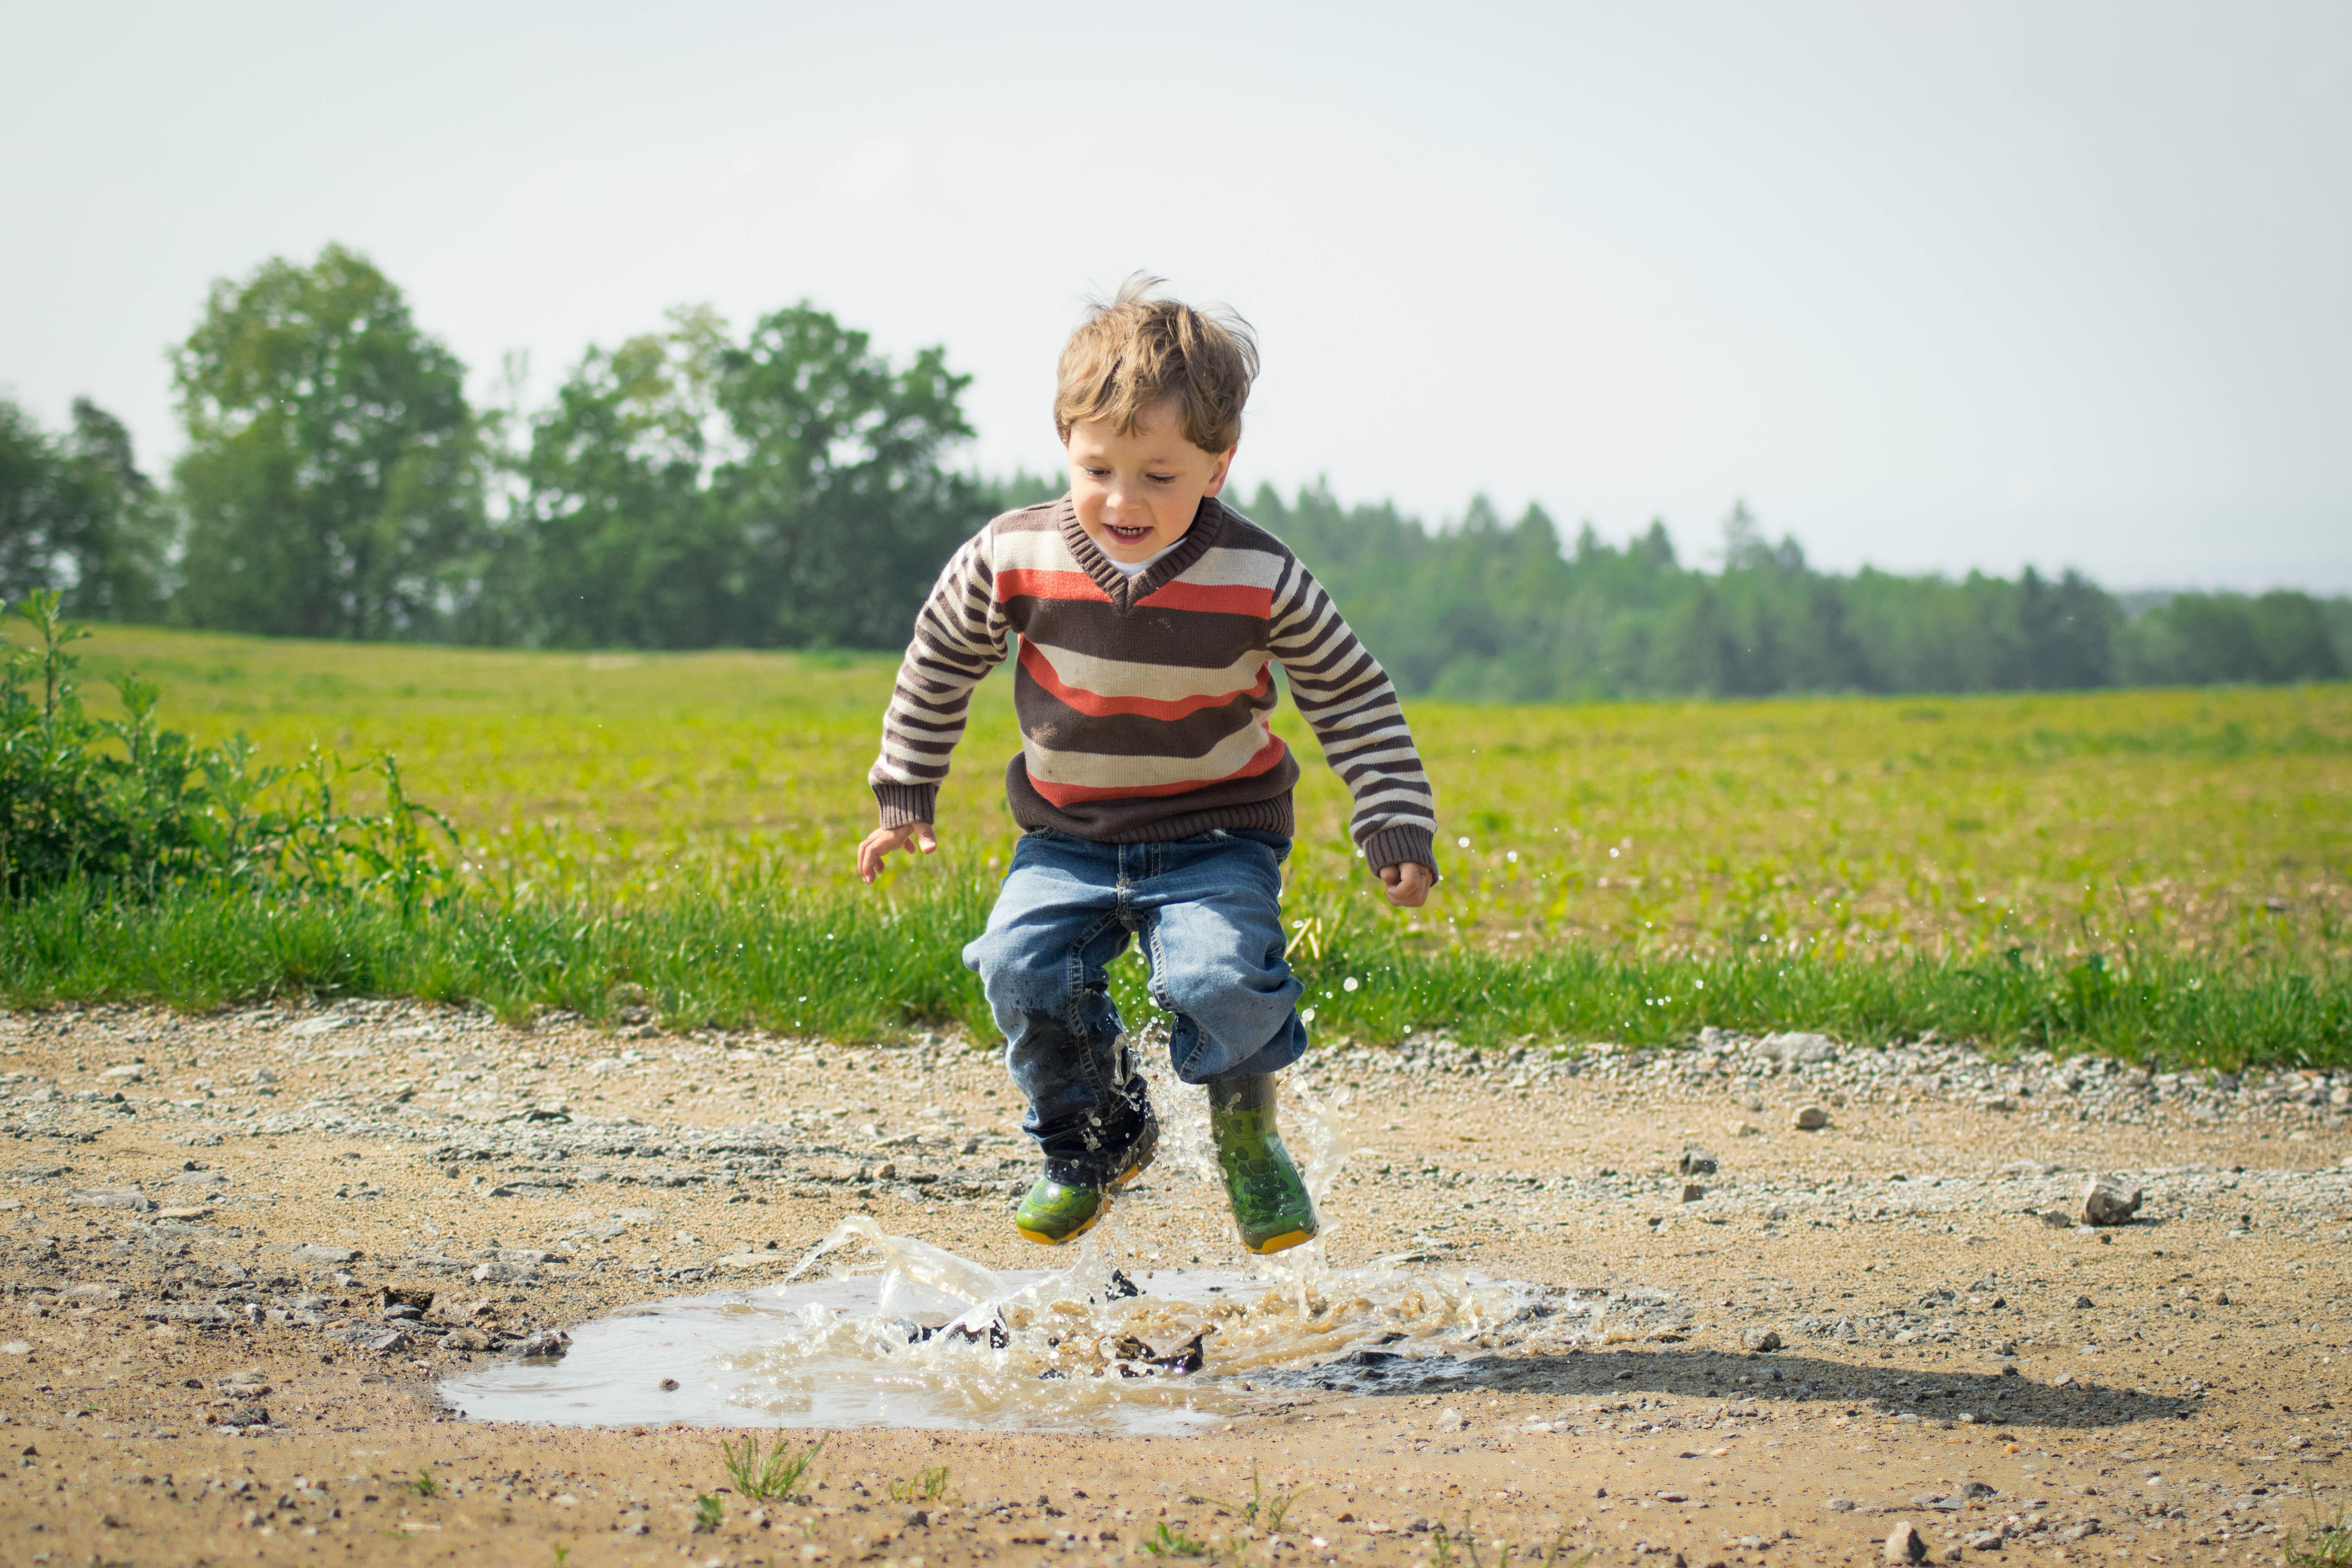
904	804
1398	844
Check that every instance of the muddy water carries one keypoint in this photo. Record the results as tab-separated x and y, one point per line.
934	1340
895	1331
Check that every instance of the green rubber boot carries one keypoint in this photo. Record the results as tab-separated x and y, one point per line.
1056	1212
1270	1203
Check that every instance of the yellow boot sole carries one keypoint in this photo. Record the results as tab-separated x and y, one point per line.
1283	1242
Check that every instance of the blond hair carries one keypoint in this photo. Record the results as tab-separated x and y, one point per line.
1136	352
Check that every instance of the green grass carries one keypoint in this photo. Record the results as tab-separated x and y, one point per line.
777	1473
2143	872
848	968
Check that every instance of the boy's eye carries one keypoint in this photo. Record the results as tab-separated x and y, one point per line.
1161	479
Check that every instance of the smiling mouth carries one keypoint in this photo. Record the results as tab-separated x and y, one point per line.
1127	535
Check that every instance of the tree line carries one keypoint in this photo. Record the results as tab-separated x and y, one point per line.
788	486
1501	611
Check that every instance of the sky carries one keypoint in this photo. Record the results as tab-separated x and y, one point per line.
1932	286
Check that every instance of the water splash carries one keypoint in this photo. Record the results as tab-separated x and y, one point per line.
925	1338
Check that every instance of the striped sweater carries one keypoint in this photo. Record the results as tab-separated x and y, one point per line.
1144	700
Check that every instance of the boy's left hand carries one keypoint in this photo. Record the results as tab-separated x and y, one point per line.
1408	884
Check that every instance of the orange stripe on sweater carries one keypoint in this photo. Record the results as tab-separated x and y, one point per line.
1215	598
1096	705
1034	583
1267	756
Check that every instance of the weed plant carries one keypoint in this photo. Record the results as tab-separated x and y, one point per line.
927	1485
2321	1543
778	1473
121	803
1164	1541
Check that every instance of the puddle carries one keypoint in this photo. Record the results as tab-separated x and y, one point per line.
934	1340
923	1338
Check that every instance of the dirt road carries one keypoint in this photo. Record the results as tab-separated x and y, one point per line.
220	1238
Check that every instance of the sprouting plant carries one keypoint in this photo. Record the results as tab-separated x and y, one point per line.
1267	1513
424	1485
2324	1544
776	1474
709	1513
1555	1555
1440	1548
928	1486
1165	1543
563	1555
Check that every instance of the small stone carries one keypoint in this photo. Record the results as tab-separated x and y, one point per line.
1448	1420
1811	1118
130	1198
1905	1544
1696	1161
2081	1303
1838	1504
2107	1201
669	1385
465	1340
307	1028
1692	1192
1761	1339
312	1253
547	1344
129	1072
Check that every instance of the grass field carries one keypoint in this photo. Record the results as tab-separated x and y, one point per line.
2128	835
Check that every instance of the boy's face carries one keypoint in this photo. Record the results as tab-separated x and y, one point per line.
1136	495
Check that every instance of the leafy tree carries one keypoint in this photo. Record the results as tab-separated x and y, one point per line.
334	478
837	497
617	543
786	490
77	515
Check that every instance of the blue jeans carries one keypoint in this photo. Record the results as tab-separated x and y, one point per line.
1209	912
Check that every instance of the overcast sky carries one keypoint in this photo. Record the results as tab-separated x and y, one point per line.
1931	286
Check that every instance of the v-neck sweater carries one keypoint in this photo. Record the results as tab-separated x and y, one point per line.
1144	702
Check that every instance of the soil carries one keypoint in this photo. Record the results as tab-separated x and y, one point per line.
220	1234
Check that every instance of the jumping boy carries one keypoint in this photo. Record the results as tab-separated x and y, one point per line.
1156	799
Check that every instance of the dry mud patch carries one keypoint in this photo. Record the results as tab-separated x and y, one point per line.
241	1253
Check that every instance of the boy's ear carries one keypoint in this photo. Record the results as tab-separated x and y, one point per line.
1225	467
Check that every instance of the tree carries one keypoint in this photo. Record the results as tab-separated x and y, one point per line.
77	515
334	478
841	507
616	542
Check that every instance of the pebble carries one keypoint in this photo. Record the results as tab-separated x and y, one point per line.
2107	1201
1905	1544
312	1252
1811	1118
130	1198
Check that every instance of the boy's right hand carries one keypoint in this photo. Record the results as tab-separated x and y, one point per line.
883	841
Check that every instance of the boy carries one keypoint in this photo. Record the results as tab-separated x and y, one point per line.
1156	800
